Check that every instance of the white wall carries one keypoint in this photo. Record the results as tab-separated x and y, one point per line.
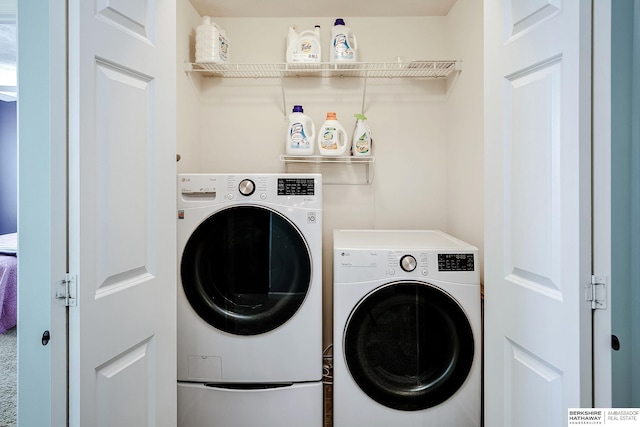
465	127
187	96
423	170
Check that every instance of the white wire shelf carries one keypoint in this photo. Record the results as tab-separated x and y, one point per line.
413	69
327	159
334	170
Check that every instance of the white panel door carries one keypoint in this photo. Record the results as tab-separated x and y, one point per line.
122	333
538	207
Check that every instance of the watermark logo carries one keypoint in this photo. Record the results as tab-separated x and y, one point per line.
626	417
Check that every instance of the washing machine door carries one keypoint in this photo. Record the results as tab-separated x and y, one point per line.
246	270
408	345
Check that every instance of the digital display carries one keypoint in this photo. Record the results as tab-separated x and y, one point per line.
296	187
455	262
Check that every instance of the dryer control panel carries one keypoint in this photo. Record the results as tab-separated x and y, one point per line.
431	255
355	265
455	262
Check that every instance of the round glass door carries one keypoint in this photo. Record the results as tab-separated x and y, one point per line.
409	346
246	270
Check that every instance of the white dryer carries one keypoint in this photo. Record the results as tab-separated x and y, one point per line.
407	329
249	299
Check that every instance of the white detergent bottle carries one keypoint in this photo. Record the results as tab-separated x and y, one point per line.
362	142
300	134
292	38
304	47
332	138
212	44
344	46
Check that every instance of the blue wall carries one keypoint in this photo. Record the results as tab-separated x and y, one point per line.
625	201
8	168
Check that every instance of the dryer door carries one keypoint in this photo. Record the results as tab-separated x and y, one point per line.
246	270
408	345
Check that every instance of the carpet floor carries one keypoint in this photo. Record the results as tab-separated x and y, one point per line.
8	378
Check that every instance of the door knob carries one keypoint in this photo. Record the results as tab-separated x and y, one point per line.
615	343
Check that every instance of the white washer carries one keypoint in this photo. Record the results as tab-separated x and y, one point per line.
249	299
407	329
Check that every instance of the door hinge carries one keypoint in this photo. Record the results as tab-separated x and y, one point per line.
596	292
67	290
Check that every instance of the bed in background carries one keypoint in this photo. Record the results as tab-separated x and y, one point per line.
8	281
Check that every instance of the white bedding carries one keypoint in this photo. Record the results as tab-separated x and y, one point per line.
9	243
8	281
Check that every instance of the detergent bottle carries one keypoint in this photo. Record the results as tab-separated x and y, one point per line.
304	47
212	44
344	45
362	142
301	133
332	138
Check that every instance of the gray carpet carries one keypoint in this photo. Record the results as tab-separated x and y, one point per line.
8	388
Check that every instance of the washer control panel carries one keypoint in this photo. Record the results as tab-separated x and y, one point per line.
300	190
296	187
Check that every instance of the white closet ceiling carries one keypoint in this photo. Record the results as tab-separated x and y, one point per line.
323	8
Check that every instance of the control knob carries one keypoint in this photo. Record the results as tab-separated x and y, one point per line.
246	187
408	263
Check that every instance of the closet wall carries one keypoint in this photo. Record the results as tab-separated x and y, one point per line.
427	133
